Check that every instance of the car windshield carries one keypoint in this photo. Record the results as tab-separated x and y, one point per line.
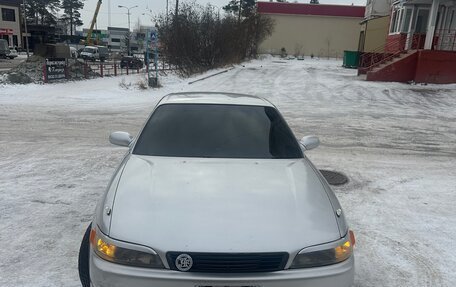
89	50
218	131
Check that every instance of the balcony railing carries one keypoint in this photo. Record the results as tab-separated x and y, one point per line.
418	40
445	40
373	58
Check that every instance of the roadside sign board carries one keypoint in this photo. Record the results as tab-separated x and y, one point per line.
55	69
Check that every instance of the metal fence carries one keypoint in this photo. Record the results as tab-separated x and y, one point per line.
107	69
77	69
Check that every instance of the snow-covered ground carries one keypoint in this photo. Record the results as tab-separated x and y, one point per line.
396	143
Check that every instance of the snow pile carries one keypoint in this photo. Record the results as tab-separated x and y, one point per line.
27	72
3	79
31	71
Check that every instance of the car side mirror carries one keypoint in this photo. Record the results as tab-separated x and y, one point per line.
310	142
120	138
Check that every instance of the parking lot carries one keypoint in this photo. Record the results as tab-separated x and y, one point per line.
395	142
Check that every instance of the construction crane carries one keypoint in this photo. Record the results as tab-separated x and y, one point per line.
92	25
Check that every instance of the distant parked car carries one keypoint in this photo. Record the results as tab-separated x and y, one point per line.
93	53
131	63
12	53
4	50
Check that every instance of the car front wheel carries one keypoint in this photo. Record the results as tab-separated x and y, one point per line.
83	262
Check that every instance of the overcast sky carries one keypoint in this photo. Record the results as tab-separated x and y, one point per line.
119	15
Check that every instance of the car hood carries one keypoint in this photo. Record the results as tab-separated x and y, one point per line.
221	205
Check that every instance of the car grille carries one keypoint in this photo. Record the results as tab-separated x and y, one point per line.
232	262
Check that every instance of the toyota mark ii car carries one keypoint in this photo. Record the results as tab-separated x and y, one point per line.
216	191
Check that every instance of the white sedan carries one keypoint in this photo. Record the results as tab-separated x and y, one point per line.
216	191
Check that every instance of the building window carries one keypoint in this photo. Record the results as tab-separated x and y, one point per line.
15	43
421	21
400	19
8	15
115	40
393	21
408	17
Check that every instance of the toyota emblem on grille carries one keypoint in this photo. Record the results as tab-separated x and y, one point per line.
184	262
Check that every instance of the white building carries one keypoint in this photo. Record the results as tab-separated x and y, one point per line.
10	22
377	8
114	38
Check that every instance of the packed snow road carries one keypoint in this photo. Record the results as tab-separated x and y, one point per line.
395	142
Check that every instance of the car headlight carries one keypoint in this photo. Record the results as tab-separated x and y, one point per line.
326	254
114	252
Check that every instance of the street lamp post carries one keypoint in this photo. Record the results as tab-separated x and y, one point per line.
128	12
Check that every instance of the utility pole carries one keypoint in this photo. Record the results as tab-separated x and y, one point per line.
129	32
26	32
167	11
177	9
240	10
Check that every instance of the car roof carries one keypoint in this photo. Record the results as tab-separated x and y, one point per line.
214	98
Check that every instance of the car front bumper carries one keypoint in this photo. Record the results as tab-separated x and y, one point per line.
104	274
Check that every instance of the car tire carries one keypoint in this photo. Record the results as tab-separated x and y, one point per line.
83	262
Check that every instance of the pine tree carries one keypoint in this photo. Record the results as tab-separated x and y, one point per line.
42	11
247	9
72	15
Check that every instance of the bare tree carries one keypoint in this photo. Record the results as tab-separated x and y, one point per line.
200	39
